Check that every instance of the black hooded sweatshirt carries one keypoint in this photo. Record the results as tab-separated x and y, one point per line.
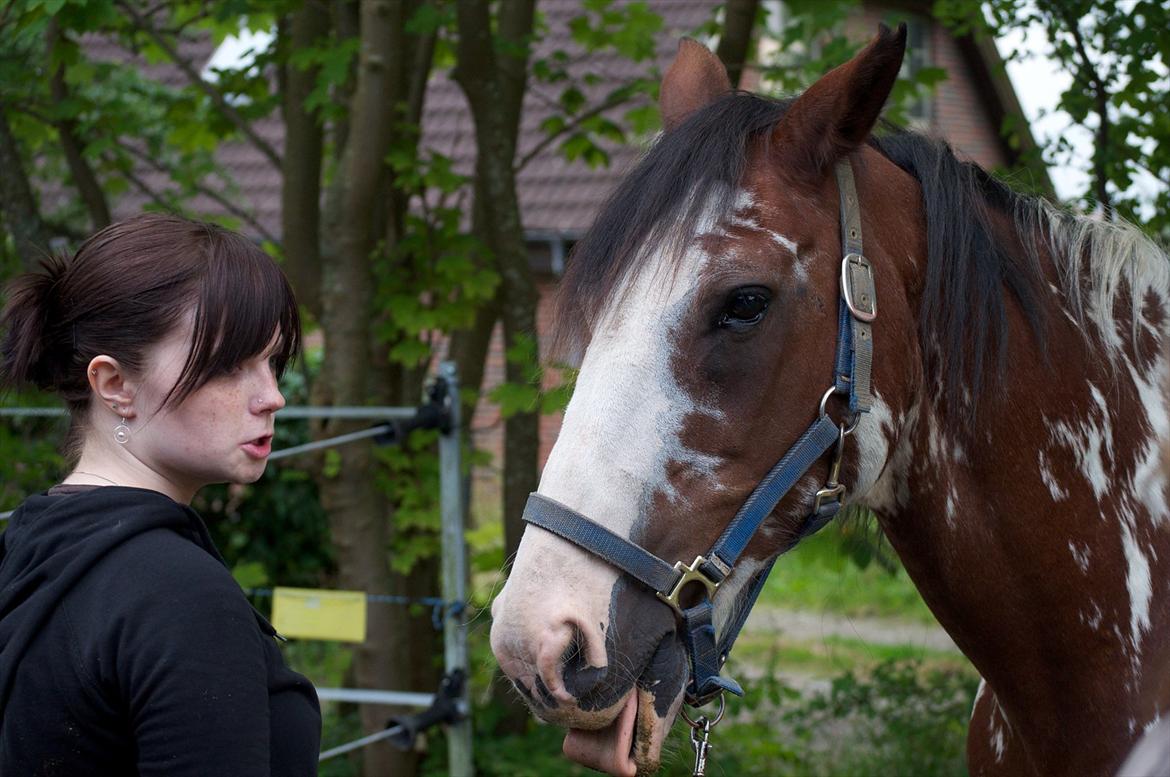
126	648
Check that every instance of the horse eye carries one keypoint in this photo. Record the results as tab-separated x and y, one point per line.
745	308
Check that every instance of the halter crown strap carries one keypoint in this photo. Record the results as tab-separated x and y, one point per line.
858	308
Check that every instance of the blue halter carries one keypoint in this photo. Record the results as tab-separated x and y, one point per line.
857	310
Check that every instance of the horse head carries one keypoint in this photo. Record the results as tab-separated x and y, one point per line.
704	307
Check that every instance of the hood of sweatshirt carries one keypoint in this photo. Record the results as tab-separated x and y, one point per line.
53	540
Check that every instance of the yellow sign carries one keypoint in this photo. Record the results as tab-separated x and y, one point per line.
312	613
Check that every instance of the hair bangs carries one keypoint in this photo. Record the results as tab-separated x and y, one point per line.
244	305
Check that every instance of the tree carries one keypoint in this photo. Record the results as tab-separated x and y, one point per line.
1118	54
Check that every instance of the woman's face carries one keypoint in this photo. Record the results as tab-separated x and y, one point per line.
220	433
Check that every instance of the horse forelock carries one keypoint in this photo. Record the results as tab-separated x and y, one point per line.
657	210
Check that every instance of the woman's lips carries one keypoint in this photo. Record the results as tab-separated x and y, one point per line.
258	448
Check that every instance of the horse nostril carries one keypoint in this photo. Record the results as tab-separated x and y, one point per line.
546	696
578	676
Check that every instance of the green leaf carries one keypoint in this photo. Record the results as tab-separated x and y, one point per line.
250	574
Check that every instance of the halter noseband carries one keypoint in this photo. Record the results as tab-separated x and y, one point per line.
857	310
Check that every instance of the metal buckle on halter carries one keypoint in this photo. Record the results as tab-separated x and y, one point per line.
691	574
863	305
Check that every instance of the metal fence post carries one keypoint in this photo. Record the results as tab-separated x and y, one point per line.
455	570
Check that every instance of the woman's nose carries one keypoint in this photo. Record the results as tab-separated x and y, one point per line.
269	399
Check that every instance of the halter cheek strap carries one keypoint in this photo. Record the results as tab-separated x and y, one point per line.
707	654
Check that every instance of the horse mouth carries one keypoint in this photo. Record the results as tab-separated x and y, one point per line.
626	738
631	744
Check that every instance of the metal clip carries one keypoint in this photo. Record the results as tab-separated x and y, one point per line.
833	490
700	742
858	291
701	736
691	574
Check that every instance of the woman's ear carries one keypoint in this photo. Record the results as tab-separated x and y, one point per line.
113	387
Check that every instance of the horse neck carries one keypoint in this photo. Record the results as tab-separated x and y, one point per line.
1039	534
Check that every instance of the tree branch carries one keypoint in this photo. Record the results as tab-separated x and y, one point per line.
514	23
206	191
83	176
420	71
1087	73
141	185
18	205
610	102
216	97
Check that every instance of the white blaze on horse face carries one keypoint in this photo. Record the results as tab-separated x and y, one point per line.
623	424
622	427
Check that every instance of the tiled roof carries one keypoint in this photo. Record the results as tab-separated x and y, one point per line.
556	196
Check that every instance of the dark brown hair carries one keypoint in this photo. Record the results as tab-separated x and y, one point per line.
126	288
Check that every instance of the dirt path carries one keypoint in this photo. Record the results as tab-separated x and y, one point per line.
806	625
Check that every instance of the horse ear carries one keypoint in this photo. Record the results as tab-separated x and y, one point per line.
695	79
835	114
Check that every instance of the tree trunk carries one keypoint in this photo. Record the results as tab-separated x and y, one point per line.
357	509
83	176
18	206
301	183
739	18
494	89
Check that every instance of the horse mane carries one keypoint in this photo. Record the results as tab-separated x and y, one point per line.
972	268
984	244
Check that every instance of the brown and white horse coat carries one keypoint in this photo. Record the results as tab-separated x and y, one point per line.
1012	455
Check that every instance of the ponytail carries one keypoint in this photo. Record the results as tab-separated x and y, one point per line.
31	352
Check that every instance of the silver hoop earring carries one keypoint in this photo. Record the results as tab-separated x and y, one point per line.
122	433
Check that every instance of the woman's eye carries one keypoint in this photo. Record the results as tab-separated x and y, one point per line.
745	308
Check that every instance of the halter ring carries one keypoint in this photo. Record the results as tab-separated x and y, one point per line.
702	721
853	422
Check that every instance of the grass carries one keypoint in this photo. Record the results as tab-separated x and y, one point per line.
830	655
821	575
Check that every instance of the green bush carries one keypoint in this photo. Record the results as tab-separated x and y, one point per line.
30	450
899	719
896	719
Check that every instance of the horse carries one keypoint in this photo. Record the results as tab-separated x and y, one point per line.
1009	447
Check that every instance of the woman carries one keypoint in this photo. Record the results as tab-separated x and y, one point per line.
125	645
